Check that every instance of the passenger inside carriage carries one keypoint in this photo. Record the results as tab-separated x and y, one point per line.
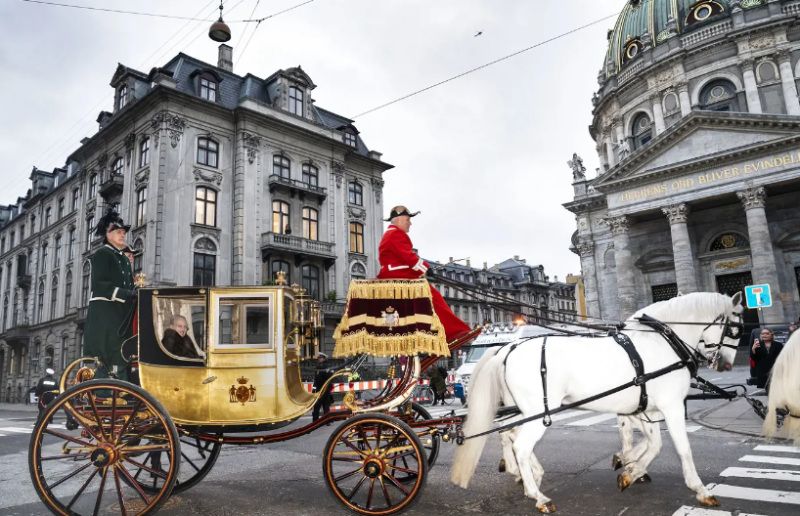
178	342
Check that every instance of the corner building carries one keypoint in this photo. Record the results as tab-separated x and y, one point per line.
225	180
696	122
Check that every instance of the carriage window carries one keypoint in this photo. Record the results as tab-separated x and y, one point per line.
244	323
180	327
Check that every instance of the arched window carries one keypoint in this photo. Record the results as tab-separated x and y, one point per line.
642	130
310	224
208	88
729	240
144	152
86	283
766	71
53	297
355	193
116	167
356	237
358	271
205	263
40	303
205	203
281	224
68	292
281	166
207	152
296	101
719	95
310	280
280	265
310	174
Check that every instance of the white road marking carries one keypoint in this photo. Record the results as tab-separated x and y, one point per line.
699	511
593	420
16	430
766	459
756	495
568	414
765	473
775	448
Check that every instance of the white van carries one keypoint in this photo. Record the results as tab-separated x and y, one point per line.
496	336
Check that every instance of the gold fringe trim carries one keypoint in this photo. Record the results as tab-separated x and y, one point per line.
387	346
348	344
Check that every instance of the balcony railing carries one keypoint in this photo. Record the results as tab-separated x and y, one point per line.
294	244
293	185
111	186
332	308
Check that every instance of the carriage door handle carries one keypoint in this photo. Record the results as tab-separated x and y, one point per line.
209	380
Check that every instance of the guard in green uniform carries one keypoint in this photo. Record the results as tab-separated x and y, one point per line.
113	297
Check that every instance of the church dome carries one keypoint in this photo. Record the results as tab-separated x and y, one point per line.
649	23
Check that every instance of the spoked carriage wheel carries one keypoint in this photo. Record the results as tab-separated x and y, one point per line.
119	426
364	458
197	459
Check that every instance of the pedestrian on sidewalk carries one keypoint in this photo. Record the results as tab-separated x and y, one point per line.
325	398
763	353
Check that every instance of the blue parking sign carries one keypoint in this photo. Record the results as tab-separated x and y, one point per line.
758	296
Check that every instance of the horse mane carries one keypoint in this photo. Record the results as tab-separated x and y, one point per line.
689	306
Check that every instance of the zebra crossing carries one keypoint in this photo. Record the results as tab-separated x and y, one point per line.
21	427
746	482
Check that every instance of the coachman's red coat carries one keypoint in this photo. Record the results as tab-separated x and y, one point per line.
399	261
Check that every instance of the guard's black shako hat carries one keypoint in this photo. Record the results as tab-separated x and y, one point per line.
399	211
109	222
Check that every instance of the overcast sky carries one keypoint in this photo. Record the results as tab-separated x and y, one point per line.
484	156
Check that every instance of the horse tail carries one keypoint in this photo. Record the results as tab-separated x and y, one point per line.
484	396
784	391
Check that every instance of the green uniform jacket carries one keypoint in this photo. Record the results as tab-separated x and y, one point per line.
110	317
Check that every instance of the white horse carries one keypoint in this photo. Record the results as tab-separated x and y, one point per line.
580	367
784	391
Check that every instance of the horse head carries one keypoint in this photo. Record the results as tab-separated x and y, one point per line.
720	339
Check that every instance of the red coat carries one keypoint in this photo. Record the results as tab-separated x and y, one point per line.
399	261
397	257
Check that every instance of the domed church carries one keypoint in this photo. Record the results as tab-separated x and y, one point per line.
697	126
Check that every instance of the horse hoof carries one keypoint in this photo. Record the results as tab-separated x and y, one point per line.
623	481
709	501
616	462
644	479
546	508
502	466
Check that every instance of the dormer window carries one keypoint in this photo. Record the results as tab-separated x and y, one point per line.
208	88
296	101
122	96
349	139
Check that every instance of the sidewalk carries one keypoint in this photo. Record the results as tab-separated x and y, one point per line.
18	407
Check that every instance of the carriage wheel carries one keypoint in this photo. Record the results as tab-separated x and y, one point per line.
119	425
197	459
80	370
362	462
430	440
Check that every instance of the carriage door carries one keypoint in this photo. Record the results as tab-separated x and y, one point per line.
730	284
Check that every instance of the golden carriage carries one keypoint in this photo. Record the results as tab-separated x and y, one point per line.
134	445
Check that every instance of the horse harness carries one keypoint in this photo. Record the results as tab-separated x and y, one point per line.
687	357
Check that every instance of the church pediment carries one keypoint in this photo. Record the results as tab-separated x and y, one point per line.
699	140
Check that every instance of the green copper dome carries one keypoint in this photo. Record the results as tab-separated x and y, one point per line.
646	23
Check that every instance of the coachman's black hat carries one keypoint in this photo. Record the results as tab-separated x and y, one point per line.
399	211
109	222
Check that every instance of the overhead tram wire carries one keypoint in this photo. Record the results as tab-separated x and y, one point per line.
485	65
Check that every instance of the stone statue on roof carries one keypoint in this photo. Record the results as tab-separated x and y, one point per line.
578	170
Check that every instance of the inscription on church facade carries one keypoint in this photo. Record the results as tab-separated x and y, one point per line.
704	179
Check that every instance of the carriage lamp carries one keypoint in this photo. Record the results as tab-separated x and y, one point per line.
316	314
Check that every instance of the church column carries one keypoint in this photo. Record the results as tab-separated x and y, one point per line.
683	95
764	268
788	84
750	87
626	288
681	247
658	113
589	272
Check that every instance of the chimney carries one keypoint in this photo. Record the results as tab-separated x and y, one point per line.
468	264
225	59
516	257
450	259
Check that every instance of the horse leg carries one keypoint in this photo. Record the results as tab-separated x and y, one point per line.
508	463
676	425
527	437
620	458
645	452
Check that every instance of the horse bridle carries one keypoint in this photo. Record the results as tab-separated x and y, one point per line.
730	329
